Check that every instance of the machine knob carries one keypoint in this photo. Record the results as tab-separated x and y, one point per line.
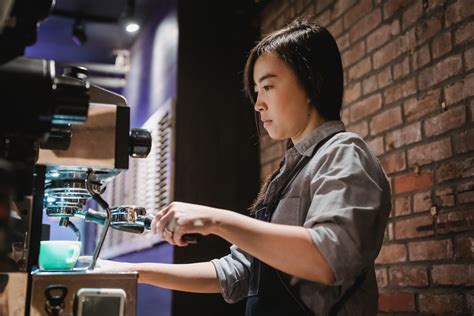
59	137
139	143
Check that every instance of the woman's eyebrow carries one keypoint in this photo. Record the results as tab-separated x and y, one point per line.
266	77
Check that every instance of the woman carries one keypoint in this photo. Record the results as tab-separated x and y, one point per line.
320	218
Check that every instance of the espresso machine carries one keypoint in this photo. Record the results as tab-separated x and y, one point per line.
62	140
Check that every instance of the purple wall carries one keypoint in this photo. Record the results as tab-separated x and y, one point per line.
150	82
152	300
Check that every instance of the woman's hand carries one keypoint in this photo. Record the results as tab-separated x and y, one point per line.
108	265
178	219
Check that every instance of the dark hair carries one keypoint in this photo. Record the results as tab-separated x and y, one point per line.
312	53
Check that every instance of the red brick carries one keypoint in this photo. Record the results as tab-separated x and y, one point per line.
276	151
392	253
369	85
407	228
376	145
464	33
356	12
361	129
427	29
453	274
387	53
365	107
430	250
440	303
365	25
379	37
425	154
345	115
470	302
394	162
396	302
402	205
402	69
466	192
386	120
360	69
464	141
469	58
413	182
336	28
352	93
324	18
421	57
445	197
441	45
408	276
381	276
453	169
422	201
384	77
390	7
446	121
323	4
412	15
404	136
443	70
455	221
458	11
460	90
341	6
352	55
464	247
415	109
401	90
343	42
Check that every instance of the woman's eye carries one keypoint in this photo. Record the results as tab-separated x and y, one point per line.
266	88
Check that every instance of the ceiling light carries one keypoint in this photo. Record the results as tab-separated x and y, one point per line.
132	27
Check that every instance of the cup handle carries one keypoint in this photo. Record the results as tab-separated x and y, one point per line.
75	255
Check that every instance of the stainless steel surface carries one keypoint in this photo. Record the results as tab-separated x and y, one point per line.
74	281
92	144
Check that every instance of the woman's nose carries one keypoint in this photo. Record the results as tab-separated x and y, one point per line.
259	105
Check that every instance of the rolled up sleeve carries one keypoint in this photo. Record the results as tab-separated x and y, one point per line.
348	212
233	274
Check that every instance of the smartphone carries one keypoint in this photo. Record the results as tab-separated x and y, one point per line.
99	301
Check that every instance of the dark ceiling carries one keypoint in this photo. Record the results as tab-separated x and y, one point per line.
103	24
103	27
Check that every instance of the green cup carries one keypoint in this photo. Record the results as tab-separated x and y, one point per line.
59	254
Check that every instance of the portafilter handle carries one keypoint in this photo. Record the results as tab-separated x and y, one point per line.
129	219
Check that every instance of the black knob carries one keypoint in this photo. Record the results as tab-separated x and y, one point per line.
139	143
59	137
76	72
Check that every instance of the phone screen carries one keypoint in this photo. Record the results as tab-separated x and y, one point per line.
103	306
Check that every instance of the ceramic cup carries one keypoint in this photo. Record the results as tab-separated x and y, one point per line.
59	254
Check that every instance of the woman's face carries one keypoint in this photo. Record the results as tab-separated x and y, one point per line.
282	102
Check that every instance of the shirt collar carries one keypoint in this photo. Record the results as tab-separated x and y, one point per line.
306	146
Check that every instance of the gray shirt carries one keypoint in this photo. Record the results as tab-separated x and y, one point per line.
342	197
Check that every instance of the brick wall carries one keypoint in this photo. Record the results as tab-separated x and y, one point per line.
409	83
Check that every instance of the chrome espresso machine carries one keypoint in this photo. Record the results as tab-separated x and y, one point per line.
87	144
62	140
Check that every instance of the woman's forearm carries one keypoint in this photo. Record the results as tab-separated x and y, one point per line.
286	248
194	277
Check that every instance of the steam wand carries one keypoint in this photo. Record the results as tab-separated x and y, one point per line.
103	204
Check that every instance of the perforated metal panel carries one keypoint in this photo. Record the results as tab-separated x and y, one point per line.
148	182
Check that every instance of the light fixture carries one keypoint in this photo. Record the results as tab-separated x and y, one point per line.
79	35
130	22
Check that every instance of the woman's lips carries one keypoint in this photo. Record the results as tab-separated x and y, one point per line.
267	122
